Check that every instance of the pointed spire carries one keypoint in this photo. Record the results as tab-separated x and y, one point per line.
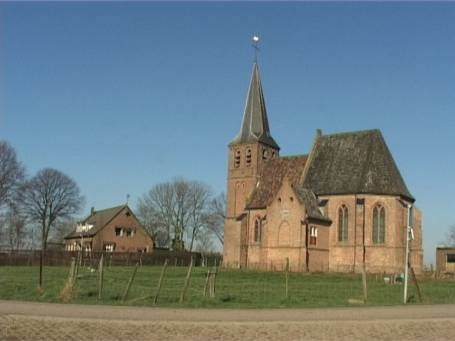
255	125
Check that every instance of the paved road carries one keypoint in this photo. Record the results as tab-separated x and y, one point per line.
45	321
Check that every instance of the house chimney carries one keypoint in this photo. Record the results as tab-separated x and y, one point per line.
318	132
92	211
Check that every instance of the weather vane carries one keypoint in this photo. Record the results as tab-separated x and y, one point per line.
255	47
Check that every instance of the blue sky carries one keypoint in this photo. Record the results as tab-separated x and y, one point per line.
122	96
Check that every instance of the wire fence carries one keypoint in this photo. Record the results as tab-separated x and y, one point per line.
63	258
232	288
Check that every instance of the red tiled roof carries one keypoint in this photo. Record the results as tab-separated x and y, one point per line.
273	173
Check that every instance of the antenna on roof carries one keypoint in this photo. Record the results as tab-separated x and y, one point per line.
127	198
255	44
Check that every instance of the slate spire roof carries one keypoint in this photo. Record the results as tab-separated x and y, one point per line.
255	125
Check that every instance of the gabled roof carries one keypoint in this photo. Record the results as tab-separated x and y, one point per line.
272	176
354	162
98	219
255	125
310	201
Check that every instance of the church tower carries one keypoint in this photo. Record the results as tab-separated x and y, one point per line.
248	151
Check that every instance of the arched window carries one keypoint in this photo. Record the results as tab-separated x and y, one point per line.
265	154
313	235
257	230
378	224
237	159
343	224
248	157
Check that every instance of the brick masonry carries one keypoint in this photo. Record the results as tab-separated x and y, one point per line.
140	240
285	233
443	264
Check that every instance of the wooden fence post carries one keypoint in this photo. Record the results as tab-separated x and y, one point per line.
66	294
72	273
130	282
160	282
414	279
215	274
41	256
287	277
206	286
76	268
187	282
364	281
100	276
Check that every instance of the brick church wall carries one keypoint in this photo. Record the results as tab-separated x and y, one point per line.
388	257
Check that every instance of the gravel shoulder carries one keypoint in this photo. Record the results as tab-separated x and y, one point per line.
239	315
46	321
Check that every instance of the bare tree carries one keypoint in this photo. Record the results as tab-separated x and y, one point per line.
181	210
174	211
153	223
450	236
11	172
48	197
217	214
156	212
204	243
62	229
15	228
198	206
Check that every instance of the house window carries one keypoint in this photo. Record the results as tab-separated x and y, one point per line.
451	258
73	246
110	247
313	235
248	157
128	232
257	230
118	231
237	159
378	224
343	224
265	154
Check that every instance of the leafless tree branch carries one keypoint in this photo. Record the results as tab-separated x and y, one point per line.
48	197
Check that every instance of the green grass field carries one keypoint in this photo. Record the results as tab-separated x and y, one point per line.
234	288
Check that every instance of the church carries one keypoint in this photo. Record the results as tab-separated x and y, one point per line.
341	207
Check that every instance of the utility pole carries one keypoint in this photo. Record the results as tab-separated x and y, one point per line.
406	265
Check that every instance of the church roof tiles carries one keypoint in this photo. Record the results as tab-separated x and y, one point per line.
272	176
354	163
346	163
311	203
